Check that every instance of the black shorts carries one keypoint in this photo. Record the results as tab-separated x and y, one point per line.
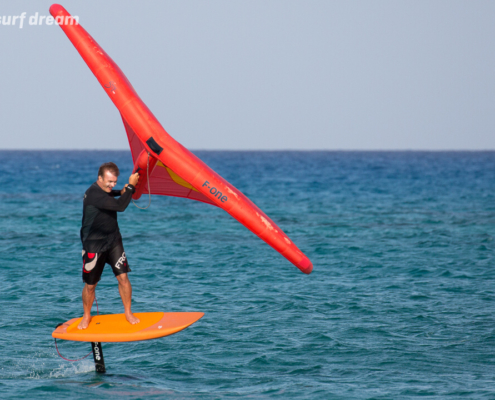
93	263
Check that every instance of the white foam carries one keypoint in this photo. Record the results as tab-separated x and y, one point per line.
73	368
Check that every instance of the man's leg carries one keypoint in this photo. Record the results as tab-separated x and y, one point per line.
88	297
125	290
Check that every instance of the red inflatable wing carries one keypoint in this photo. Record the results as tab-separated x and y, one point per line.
173	170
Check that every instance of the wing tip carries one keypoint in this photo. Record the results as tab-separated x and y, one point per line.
305	265
55	9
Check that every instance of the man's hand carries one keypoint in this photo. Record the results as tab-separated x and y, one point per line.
134	179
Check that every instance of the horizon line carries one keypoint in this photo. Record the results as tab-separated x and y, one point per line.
260	150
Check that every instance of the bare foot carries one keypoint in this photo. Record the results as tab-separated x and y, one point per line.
85	322
132	319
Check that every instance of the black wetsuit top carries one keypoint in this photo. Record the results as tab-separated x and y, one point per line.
99	223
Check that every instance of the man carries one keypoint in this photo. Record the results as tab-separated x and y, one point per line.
101	239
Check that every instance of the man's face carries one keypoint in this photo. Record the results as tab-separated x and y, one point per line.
107	182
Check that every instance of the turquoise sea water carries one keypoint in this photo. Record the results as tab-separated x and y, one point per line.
401	303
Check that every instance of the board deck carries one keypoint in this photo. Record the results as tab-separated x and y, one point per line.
115	328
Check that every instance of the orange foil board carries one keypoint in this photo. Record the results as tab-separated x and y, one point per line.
115	328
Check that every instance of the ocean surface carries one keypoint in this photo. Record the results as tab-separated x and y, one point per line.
400	305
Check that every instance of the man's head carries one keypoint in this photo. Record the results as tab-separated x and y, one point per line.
107	176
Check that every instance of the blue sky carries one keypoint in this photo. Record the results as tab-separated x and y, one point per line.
336	75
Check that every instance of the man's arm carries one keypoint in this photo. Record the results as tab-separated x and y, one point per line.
123	190
105	202
117	193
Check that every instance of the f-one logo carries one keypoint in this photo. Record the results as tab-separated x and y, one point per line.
97	352
215	192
